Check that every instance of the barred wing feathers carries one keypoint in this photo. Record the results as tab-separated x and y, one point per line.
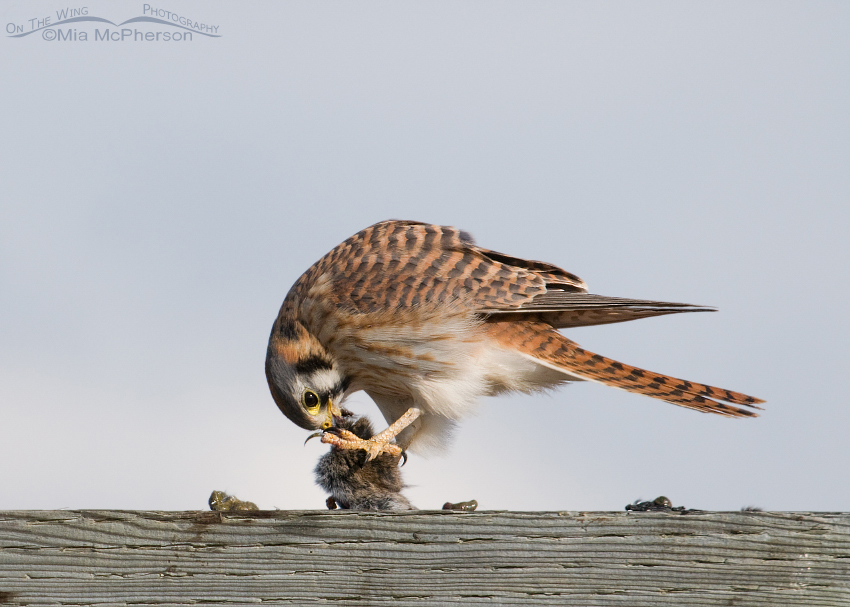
406	264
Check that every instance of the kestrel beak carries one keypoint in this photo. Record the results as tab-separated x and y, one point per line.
333	412
314	435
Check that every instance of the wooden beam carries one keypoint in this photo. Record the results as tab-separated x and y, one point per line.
422	558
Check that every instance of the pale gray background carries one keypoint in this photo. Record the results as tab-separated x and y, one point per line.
158	200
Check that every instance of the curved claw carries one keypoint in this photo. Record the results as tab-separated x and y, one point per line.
403	458
314	435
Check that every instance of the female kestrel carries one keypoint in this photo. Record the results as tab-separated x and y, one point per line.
426	322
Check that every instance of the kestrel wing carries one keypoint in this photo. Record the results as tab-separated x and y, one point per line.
566	303
563	309
405	264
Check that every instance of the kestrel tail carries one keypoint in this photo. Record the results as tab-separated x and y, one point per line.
426	322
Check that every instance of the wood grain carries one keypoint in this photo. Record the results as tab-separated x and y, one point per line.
424	558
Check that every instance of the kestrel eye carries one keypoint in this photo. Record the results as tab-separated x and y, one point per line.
310	400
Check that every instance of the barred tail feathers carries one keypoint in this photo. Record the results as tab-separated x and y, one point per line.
548	347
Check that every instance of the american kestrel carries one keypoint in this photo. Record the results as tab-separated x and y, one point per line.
426	322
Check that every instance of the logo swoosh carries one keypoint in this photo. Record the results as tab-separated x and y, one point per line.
163	22
73	20
133	20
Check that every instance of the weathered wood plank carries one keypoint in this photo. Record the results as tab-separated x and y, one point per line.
424	558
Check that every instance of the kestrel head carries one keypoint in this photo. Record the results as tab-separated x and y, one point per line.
304	379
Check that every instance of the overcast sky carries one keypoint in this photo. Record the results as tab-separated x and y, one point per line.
158	198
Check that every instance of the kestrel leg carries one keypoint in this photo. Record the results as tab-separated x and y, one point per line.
378	444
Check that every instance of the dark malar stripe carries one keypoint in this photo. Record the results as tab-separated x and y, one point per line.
340	387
